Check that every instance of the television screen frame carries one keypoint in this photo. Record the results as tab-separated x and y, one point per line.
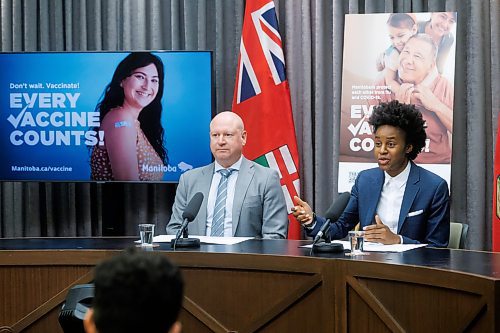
58	92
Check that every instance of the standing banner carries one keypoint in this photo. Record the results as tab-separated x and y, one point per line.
262	99
409	57
495	223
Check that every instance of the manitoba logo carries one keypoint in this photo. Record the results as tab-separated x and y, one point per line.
281	160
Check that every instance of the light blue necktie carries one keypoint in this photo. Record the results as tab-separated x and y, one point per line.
220	204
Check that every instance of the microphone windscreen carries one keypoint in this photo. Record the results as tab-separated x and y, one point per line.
193	207
337	208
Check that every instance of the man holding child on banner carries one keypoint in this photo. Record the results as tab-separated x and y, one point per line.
389	57
422	85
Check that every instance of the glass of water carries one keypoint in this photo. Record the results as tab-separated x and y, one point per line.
146	231
356	240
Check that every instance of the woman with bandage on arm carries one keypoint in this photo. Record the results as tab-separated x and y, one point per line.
130	118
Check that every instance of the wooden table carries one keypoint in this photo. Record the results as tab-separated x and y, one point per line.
270	286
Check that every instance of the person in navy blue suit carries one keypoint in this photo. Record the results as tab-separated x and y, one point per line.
398	202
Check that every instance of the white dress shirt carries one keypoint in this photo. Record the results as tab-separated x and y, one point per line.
391	199
212	196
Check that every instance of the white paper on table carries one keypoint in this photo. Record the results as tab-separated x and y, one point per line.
204	239
378	247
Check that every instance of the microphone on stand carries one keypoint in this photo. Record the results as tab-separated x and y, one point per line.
325	228
188	215
332	214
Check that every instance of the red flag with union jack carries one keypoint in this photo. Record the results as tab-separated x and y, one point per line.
262	99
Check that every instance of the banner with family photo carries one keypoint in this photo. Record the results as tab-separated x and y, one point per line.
409	57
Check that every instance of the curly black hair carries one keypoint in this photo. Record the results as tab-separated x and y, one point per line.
137	291
404	116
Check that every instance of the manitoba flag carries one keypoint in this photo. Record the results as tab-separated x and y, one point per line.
262	99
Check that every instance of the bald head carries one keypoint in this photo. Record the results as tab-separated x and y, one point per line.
228	117
227	138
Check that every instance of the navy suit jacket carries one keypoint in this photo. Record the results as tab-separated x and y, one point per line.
425	211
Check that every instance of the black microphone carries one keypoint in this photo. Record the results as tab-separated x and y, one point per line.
189	215
332	214
322	231
193	207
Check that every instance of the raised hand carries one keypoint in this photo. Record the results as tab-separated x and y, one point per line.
380	233
302	211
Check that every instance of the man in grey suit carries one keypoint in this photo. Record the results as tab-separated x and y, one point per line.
240	197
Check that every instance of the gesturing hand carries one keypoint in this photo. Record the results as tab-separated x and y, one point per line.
380	233
302	211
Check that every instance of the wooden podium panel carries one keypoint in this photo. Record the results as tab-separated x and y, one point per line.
34	284
271	286
255	293
29	293
389	298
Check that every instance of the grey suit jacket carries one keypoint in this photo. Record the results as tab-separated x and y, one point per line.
259	208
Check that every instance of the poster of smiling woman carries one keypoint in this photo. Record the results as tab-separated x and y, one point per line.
104	116
409	57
